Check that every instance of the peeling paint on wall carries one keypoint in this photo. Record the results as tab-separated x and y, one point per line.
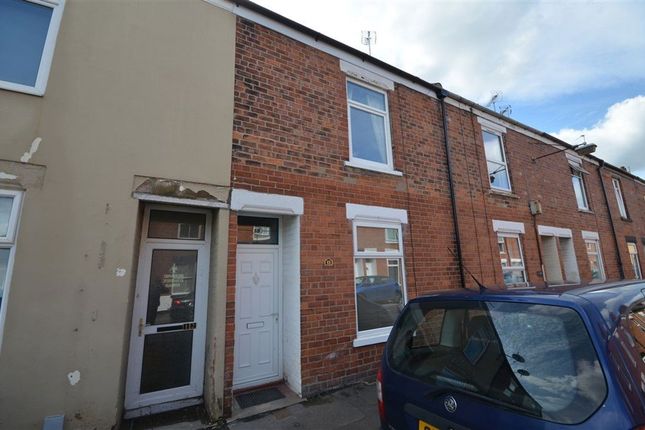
32	150
4	175
74	377
120	272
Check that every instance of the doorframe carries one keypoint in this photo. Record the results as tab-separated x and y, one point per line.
133	399
278	298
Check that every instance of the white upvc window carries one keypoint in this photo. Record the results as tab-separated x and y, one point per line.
379	270
512	259
496	160
28	31
578	181
369	127
10	202
592	244
618	191
633	257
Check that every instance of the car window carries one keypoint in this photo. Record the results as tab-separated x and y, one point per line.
532	357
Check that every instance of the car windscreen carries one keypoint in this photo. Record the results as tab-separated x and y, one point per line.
534	358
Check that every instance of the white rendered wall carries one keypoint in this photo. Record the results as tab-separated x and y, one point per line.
291	301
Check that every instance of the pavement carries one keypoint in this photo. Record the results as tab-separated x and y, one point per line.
350	408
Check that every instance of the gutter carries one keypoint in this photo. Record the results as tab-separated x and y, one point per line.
455	220
621	268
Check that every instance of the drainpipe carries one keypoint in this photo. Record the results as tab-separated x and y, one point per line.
611	221
441	94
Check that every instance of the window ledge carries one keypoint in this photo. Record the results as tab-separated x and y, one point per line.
520	287
373	168
625	219
566	284
496	192
371	340
585	211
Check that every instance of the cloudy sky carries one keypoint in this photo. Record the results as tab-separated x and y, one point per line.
564	67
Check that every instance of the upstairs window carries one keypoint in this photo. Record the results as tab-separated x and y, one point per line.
578	180
369	127
579	189
496	161
619	197
28	30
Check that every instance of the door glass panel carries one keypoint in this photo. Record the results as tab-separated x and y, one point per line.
171	296
176	225
166	361
5	213
257	231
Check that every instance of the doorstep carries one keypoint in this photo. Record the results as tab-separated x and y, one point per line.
280	397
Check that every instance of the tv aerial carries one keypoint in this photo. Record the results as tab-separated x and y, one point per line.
368	37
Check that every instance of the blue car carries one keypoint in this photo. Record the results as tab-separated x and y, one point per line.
517	360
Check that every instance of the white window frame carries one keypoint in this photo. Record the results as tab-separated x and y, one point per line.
593	237
620	200
501	235
576	173
377	335
48	51
387	167
633	257
9	242
505	163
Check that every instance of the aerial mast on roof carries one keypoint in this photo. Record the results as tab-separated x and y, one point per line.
368	37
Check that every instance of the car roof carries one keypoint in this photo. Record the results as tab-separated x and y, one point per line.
607	298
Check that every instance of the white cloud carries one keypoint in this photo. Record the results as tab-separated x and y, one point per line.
528	50
620	135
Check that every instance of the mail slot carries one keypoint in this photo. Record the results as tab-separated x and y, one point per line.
258	324
185	326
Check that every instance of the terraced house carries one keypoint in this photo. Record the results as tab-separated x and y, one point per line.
199	198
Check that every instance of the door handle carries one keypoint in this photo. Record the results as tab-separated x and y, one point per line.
140	327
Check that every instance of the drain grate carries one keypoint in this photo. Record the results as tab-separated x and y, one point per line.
258	397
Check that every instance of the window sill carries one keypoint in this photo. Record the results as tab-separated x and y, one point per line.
19	88
371	339
373	168
520	287
585	211
496	192
622	218
565	284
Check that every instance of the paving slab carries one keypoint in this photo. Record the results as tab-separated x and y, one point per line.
349	408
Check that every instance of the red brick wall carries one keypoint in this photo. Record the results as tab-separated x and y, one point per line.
547	180
634	225
290	136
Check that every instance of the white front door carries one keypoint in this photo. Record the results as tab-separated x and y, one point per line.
166	360
257	316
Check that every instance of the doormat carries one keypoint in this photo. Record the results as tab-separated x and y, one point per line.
258	397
